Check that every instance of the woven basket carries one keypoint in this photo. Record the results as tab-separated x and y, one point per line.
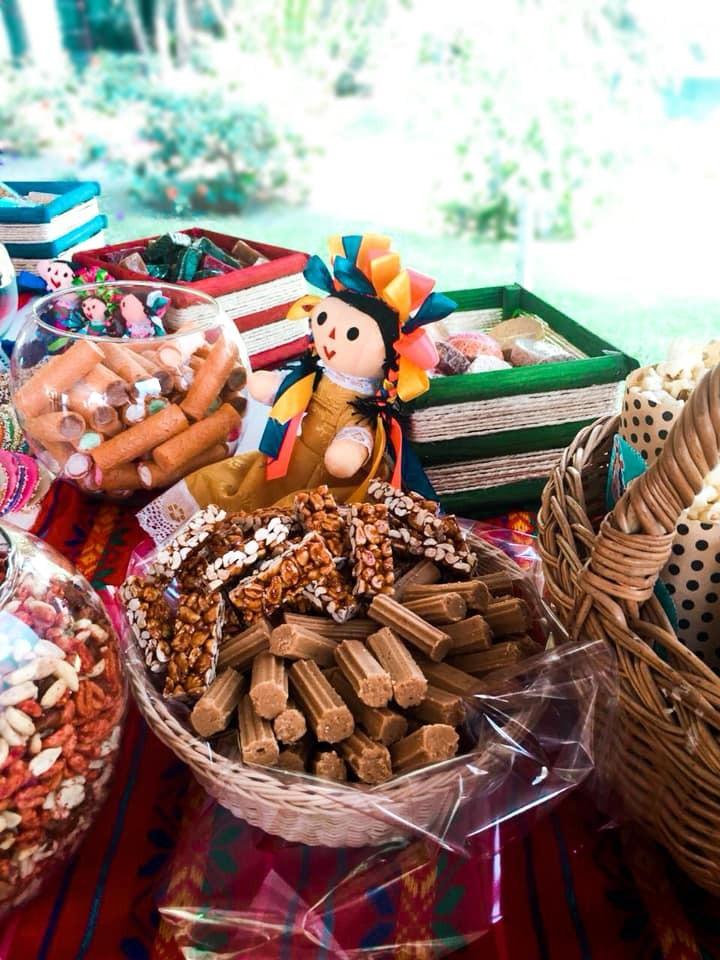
600	573
318	812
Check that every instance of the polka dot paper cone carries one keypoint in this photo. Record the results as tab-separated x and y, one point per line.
692	577
646	423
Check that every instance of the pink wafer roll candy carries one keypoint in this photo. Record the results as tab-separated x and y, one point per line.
124	362
56	427
152	476
56	376
210	378
198	438
140	439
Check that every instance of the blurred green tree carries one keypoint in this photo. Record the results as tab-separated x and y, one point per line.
550	96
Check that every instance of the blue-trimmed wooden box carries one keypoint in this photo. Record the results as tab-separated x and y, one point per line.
70	222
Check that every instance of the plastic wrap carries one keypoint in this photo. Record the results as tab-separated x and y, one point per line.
253	895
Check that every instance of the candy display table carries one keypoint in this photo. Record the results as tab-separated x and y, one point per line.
566	889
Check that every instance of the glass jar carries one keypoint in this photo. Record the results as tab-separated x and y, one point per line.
122	386
62	700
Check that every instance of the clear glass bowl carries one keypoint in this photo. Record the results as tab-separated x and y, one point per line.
122	386
62	700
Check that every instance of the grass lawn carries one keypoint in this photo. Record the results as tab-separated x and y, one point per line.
640	321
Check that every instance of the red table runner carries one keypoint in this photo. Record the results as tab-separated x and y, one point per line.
568	890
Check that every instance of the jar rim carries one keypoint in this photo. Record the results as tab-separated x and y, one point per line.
7	587
194	326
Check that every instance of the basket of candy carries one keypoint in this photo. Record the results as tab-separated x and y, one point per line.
516	381
602	571
319	668
254	283
62	699
123	386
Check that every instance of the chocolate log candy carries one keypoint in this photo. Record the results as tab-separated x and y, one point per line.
421	574
380	723
409	684
194	646
428	744
495	657
255	736
428	639
289	725
269	685
327	764
140	439
469	636
237	378
212	713
215	428
317	510
438	609
439	706
498	584
56	377
370	549
369	761
294	757
328	717
370	682
210	379
294	643
238	650
352	629
508	615
451	679
282	578
474	592
124	477
103	384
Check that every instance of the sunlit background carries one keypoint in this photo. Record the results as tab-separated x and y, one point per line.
570	144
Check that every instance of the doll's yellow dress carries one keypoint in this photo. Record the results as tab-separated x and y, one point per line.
239	483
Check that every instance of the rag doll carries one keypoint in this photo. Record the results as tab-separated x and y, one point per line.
336	414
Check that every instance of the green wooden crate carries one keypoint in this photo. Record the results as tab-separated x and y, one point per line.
488	440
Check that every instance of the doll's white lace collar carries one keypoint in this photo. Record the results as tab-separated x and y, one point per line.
366	386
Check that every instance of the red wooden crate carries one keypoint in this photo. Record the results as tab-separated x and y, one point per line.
256	298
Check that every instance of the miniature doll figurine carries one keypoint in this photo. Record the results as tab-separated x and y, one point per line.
57	274
95	312
143	320
335	415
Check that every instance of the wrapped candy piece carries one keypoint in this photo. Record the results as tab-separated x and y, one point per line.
473	343
451	360
484	363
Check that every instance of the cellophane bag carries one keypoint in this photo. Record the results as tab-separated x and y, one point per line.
237	892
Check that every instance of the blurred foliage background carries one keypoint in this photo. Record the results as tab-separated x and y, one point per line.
567	143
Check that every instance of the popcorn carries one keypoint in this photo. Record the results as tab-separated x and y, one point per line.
676	378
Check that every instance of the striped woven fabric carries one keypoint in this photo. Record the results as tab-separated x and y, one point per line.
544	888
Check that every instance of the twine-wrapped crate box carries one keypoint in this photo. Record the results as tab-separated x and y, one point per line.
256	297
489	440
69	222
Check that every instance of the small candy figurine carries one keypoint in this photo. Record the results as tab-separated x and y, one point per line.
143	320
370	354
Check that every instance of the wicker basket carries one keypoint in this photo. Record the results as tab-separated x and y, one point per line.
600	573
318	812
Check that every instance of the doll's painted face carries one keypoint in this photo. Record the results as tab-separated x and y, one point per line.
56	273
346	339
94	310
